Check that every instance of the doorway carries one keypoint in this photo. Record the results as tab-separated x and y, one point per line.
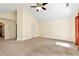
1	30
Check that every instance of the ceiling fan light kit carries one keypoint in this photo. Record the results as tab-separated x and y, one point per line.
39	8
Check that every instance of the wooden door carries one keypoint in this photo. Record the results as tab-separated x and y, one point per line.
77	30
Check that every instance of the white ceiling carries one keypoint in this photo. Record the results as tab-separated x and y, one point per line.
9	7
54	10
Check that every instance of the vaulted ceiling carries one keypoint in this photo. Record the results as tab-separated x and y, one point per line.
54	10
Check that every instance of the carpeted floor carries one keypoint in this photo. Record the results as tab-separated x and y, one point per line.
36	47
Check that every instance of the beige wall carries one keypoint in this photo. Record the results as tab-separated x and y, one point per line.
62	29
28	27
10	28
8	15
19	24
25	24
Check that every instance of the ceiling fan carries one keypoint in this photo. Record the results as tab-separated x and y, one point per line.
39	6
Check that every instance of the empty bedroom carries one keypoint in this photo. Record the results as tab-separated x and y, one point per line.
39	29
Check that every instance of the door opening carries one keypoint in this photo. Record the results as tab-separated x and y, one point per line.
1	30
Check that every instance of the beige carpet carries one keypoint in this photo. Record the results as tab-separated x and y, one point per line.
36	47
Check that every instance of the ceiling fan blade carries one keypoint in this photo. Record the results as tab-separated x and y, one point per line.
43	8
33	6
44	4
